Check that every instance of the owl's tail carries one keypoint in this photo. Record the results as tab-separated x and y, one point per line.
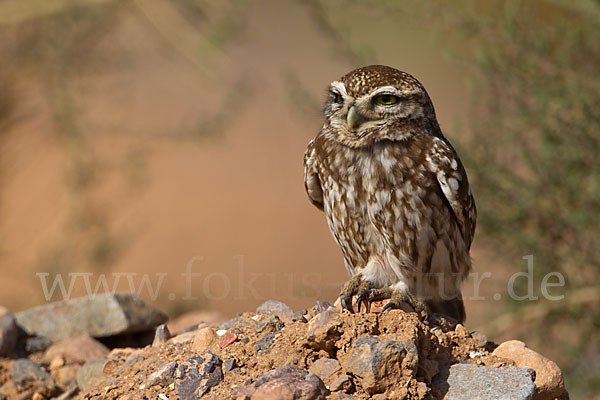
454	308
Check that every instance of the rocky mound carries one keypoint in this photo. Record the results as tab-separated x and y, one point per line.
274	353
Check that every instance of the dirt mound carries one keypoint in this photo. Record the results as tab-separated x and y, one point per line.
318	354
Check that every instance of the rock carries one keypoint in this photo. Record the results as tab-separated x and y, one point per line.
97	316
342	383
36	343
91	373
289	383
27	375
548	377
76	350
274	307
163	376
323	330
324	368
8	332
272	325
197	375
227	339
190	320
229	364
68	394
468	381
183	337
65	376
480	338
376	362
161	335
204	339
264	344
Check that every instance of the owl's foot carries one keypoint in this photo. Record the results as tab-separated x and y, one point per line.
396	298
356	285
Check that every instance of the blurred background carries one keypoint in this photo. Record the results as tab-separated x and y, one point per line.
157	147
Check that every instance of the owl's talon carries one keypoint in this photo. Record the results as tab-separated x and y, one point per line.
364	298
389	305
346	303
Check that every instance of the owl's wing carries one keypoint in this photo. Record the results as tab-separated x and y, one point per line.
312	183
452	178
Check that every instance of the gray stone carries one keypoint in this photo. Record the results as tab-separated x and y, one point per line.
164	375
229	365
264	344
272	325
279	372
91	373
8	333
161	335
97	316
274	307
36	343
27	375
468	381
376	362
197	375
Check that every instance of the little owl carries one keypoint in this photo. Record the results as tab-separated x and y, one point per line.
395	193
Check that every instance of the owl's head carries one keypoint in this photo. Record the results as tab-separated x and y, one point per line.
374	103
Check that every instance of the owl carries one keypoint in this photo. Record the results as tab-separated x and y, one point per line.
394	192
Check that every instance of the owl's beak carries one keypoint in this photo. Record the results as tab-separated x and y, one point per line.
354	119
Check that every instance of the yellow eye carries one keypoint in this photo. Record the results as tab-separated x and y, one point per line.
386	99
337	98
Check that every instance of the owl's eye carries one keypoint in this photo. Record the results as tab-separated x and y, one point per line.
386	99
337	98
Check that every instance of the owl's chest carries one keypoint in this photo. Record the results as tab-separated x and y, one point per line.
364	182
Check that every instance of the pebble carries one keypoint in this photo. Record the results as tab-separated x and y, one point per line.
274	307
548	377
164	376
204	339
377	362
76	350
8	332
469	381
26	374
289	383
197	375
161	335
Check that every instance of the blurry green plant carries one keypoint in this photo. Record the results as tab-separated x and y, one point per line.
535	170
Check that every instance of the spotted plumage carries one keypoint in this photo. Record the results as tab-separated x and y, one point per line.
395	193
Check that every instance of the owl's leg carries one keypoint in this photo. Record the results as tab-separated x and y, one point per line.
354	286
397	297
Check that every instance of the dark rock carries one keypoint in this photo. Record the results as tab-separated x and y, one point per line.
91	373
376	362
279	372
8	333
274	307
229	365
264	344
36	344
161	335
272	325
163	376
468	381
197	375
27	375
289	383
97	316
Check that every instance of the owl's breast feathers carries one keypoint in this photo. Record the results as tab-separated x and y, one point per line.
409	198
